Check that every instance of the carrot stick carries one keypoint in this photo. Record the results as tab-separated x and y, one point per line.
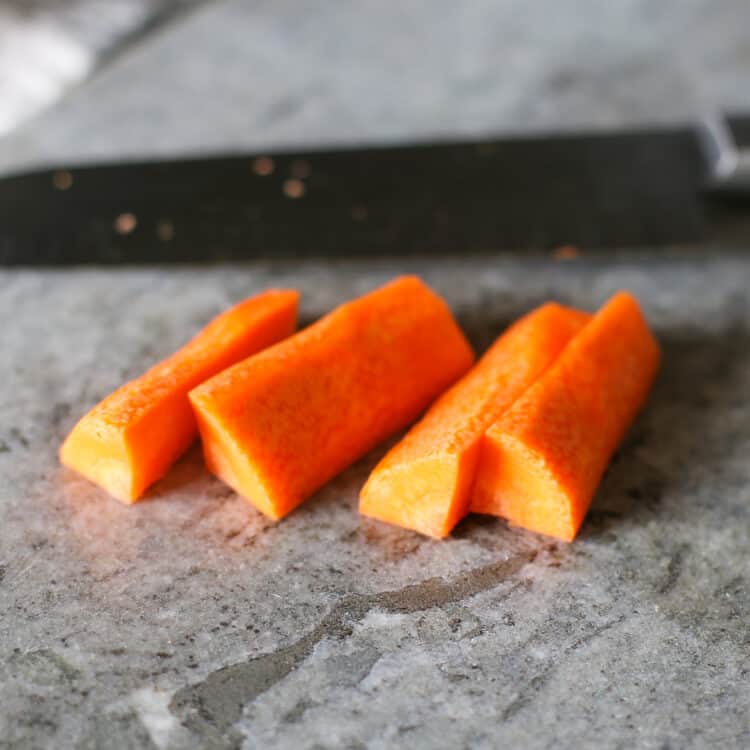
133	436
279	425
541	462
424	482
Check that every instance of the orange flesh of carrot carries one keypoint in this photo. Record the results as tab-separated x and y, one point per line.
279	425
541	462
424	482
133	436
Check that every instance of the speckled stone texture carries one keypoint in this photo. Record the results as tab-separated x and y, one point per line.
190	621
276	73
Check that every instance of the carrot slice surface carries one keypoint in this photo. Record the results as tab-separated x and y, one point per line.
424	482
132	437
279	425
541	462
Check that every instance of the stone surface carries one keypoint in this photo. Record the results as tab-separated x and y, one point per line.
48	47
240	75
190	621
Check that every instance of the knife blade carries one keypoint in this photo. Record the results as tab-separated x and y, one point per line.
598	191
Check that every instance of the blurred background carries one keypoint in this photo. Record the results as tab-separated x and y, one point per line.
84	80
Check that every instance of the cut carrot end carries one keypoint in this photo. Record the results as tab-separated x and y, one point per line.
228	461
102	458
427	495
516	485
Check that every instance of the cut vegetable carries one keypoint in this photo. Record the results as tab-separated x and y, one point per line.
541	462
424	482
279	425
130	439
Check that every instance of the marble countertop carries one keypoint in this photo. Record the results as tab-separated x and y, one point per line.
191	621
233	75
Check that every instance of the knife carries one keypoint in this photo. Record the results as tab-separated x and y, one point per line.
685	185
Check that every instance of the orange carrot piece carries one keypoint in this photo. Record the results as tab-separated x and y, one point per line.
424	482
279	425
133	436
541	462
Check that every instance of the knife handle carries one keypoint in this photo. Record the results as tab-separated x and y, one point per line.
728	160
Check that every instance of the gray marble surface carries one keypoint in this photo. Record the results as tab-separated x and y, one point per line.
48	47
275	73
190	621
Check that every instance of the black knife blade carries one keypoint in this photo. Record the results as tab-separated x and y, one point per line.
596	191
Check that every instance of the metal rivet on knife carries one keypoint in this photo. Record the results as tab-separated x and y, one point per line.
486	149
165	230
263	166
293	188
566	252
300	169
62	180
359	213
125	223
